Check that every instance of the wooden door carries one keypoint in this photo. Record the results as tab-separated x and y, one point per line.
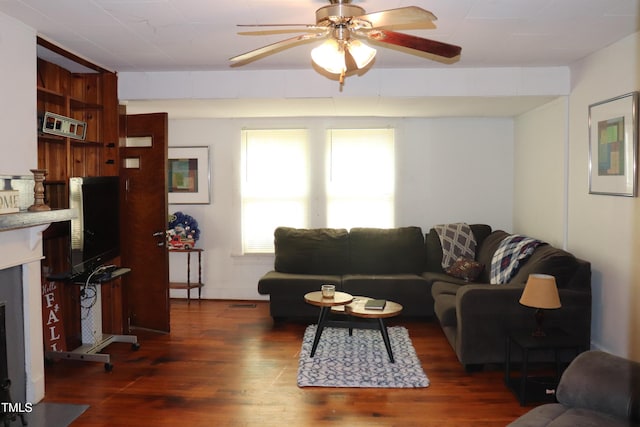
143	172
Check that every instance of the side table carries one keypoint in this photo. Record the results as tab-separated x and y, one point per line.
188	285
325	304
536	388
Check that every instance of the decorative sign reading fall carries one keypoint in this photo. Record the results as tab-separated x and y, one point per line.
52	328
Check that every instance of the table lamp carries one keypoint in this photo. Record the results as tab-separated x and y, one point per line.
541	293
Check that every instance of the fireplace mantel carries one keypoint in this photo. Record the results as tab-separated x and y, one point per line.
21	245
26	219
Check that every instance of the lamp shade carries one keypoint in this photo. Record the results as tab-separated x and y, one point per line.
361	53
330	56
540	292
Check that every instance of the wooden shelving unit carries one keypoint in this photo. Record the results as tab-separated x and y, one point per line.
90	97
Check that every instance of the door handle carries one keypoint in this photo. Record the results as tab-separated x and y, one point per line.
161	234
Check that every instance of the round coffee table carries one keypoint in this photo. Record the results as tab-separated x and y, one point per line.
325	304
357	309
353	307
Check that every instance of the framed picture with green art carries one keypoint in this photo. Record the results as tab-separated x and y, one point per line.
189	175
613	146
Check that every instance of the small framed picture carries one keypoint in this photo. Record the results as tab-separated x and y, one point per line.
189	175
613	146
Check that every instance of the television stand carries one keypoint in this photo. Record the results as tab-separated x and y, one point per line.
93	340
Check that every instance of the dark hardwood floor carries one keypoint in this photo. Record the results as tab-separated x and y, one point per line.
225	363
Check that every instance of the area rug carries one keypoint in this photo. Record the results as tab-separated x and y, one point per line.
49	414
360	360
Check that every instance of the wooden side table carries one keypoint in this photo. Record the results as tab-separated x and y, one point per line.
188	285
536	388
325	304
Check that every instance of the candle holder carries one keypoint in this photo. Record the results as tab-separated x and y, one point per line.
38	191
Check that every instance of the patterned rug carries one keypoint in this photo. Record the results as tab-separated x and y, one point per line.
360	360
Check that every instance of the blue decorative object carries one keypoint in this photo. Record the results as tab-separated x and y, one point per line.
182	232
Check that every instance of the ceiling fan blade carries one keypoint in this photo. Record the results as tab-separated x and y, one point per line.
278	25
416	43
400	16
282	44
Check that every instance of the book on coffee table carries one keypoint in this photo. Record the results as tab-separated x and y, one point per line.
375	304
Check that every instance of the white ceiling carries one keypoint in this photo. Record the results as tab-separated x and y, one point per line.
182	35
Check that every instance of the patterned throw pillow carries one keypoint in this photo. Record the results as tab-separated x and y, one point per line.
465	269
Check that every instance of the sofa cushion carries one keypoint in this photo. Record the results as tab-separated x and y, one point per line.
410	290
433	247
547	259
445	309
386	251
465	269
440	287
311	251
485	251
432	278
556	415
275	282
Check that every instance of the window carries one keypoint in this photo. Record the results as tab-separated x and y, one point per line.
353	187
275	185
360	178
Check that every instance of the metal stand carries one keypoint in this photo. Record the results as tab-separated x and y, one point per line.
93	342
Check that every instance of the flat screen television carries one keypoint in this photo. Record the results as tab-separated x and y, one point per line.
95	231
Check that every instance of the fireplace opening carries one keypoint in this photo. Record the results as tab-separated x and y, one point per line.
11	296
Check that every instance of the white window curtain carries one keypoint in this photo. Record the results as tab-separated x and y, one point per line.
275	185
361	178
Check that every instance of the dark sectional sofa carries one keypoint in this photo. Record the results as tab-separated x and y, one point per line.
404	265
475	316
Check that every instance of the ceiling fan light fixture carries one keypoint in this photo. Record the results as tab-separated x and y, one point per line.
330	56
361	53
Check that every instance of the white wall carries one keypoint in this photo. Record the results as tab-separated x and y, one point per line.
18	143
18	140
455	169
540	165
606	229
602	229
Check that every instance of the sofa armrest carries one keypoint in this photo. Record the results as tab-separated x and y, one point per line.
485	313
481	299
602	382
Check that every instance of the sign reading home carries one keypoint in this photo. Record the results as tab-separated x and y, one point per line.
9	201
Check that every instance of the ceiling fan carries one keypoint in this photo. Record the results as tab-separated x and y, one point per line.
344	25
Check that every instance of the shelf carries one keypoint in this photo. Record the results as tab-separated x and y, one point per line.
51	138
53	97
78	104
184	285
12	221
50	96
